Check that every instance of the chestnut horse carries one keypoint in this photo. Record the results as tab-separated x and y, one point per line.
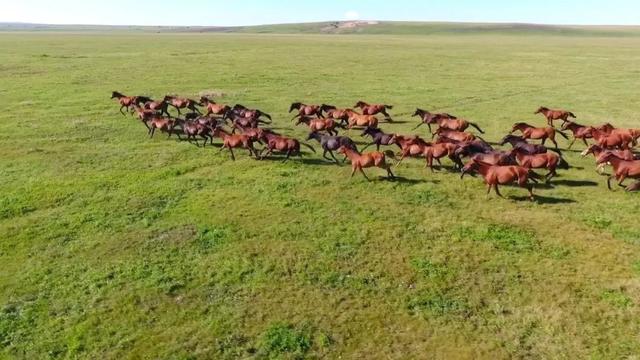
610	129
612	140
453	124
579	132
622	168
329	125
366	160
165	124
356	119
335	113
305	110
495	175
283	144
531	132
597	151
127	101
231	141
213	107
554	114
548	160
244	112
519	141
460	136
429	118
182	103
373	109
160	106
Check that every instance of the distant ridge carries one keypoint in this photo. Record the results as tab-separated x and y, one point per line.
353	27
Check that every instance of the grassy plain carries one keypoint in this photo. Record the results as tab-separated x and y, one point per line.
113	245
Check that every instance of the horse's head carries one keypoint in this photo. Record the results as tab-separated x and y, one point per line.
313	135
606	127
325	107
540	110
239	107
205	100
360	104
370	131
115	94
567	124
295	105
419	112
590	150
605	157
507	139
469	167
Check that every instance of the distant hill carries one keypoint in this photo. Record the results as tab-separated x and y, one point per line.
354	27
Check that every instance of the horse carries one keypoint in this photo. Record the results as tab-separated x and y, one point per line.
552	115
495	175
127	101
143	114
366	160
245	122
428	118
373	109
483	152
610	129
411	146
622	168
531	132
597	151
454	124
379	137
548	160
231	141
438	151
242	111
612	140
163	123
275	142
329	125
519	141
182	103
460	136
356	119
305	110
213	107
579	132
193	128
332	143
331	111
160	106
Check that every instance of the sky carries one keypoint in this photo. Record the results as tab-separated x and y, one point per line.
254	12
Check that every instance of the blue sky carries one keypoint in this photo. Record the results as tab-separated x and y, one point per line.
251	12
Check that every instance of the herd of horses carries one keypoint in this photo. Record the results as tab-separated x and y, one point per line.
239	127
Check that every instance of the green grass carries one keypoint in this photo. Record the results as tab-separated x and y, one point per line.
115	245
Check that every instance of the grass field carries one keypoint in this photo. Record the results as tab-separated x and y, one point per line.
117	246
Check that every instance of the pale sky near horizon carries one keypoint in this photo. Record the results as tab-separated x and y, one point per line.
253	12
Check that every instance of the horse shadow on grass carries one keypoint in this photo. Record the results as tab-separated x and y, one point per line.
574	183
404	180
544	199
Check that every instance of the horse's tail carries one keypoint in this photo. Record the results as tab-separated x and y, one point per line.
480	137
571	114
562	163
556	151
308	146
561	133
477	127
533	175
266	115
390	154
390	107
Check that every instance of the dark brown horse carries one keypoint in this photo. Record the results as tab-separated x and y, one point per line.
366	160
579	132
429	118
373	109
532	132
552	115
214	108
332	143
522	143
159	106
244	112
495	175
305	110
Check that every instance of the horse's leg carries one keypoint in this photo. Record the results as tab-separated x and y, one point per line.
570	145
621	180
389	172
334	157
489	186
554	142
584	140
530	189
363	174
609	181
543	141
324	155
233	157
288	154
153	131
386	115
353	169
122	112
497	190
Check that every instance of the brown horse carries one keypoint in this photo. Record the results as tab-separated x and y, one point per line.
241	111
429	118
231	141
366	160
579	132
454	124
127	101
159	106
329	125
610	129
531	132
438	151
361	120
548	160
411	146
373	109
165	124
305	110
459	136
495	175
283	144
554	114
612	140
622	168
597	151
182	103
213	107
332	112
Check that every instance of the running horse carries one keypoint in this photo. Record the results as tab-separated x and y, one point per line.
283	144
579	132
429	118
356	119
332	143
126	102
182	103
305	110
531	132
552	115
335	113
379	138
366	160
550	161
329	125
373	109
495	175
622	169
241	111
214	108
231	141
